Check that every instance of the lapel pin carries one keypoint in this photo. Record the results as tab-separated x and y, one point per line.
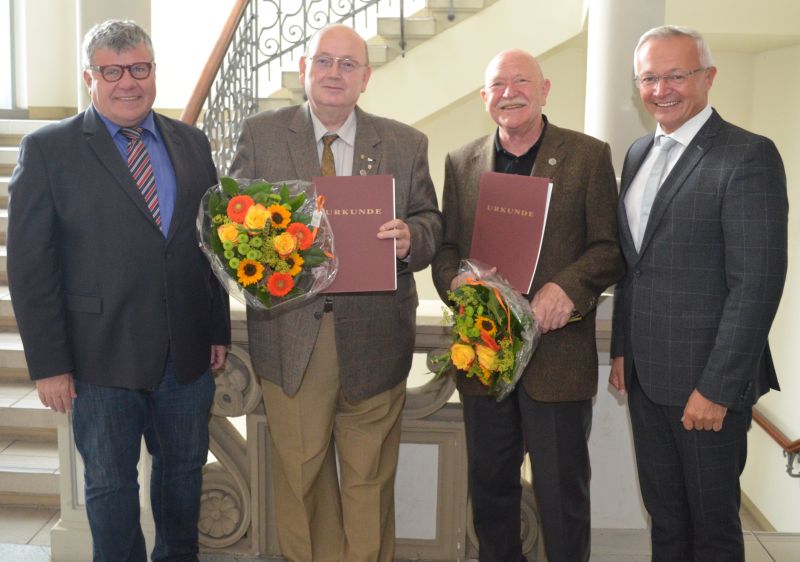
552	161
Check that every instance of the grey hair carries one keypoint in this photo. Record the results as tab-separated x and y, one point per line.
314	41
669	31
116	35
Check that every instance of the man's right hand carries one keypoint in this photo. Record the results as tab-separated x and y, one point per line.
57	392
617	376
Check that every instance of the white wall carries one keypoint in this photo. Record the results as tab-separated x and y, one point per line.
776	114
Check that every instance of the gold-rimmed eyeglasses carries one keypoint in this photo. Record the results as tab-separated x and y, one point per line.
674	78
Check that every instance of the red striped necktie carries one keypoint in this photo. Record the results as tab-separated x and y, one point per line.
142	170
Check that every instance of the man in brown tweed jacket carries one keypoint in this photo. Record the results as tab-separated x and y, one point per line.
550	413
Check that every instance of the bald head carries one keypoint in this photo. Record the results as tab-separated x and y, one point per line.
514	93
338	33
518	57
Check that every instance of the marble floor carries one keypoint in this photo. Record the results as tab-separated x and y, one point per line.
24	537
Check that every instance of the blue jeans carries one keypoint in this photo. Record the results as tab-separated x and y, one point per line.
109	424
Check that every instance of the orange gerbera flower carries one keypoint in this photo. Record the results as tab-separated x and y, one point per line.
295	262
302	233
249	272
279	216
238	206
280	284
486	325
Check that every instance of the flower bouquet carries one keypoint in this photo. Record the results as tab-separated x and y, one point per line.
494	330
268	244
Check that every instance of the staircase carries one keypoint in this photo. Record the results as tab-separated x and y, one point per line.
28	449
437	16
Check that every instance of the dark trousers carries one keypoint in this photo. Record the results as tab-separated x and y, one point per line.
556	436
689	481
109	424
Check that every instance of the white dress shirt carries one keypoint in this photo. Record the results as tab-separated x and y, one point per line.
683	136
343	148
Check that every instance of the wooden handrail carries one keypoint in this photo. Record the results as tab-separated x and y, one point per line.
790	447
192	110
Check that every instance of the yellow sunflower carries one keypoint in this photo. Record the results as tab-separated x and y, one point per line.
486	325
295	262
249	272
279	216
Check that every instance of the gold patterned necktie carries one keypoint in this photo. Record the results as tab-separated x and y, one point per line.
142	170
328	167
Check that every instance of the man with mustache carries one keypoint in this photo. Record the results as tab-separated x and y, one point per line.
550	412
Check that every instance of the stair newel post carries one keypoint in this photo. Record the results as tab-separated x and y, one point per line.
402	29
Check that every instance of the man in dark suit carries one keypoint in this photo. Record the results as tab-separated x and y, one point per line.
119	313
703	214
551	413
334	370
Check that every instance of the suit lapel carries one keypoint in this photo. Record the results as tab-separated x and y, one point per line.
676	179
180	161
101	143
366	152
551	154
636	157
302	146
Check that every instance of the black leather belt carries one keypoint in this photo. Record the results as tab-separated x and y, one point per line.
328	305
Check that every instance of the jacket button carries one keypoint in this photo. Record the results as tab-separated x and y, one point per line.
637	273
318	315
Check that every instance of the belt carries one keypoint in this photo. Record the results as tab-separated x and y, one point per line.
328	305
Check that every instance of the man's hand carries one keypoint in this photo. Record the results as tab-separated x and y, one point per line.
218	353
702	414
398	230
57	392
552	307
617	376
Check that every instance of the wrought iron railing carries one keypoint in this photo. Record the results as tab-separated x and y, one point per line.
259	36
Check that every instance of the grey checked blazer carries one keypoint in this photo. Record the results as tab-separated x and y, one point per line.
374	331
697	302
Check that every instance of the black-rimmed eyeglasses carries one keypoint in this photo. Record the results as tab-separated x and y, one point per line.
114	72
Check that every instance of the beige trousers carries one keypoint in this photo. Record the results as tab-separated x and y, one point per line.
320	518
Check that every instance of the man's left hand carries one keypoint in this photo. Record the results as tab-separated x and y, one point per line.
702	414
552	307
398	230
218	353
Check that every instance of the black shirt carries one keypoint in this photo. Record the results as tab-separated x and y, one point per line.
522	165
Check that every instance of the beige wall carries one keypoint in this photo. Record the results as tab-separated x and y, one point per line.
776	113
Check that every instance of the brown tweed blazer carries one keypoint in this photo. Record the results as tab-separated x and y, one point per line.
580	250
374	331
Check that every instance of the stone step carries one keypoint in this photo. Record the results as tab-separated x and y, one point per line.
7	319
8	159
15	129
459	5
414	28
11	354
29	471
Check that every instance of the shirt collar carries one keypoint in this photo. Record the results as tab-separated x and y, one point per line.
347	132
149	124
499	147
686	132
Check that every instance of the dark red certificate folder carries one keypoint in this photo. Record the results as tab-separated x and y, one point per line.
509	225
356	207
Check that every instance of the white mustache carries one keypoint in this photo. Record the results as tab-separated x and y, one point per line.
513	101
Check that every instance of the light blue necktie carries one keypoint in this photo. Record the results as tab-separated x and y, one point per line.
653	183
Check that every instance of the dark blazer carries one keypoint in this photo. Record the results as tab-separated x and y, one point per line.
374	331
97	289
580	252
696	305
